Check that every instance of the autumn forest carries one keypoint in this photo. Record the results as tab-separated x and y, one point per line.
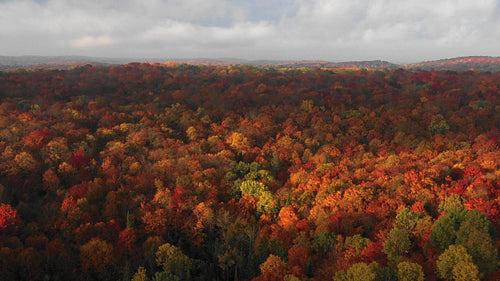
167	171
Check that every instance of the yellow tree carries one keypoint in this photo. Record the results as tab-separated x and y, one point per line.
410	271
456	264
174	261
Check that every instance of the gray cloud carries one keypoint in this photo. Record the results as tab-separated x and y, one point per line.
397	30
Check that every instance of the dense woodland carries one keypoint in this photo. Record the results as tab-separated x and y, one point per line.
182	172
459	64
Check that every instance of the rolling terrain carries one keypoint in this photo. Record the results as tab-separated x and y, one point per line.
482	63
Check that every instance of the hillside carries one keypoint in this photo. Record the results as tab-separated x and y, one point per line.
66	62
459	64
352	64
197	172
53	62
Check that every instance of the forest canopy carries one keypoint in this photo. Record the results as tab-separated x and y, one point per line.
184	172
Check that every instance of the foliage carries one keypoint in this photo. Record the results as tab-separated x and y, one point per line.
9	218
471	229
397	243
409	271
245	173
358	272
165	276
140	275
456	264
173	260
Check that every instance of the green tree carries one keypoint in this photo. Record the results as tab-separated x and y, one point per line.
406	219
444	231
464	271
397	243
445	228
357	242
455	261
361	272
438	125
165	276
475	238
323	242
471	229
173	260
410	271
358	272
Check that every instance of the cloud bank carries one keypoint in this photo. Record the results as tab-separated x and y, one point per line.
396	30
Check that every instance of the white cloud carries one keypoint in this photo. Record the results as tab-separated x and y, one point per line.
91	42
303	29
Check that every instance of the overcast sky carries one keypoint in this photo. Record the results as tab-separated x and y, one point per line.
334	30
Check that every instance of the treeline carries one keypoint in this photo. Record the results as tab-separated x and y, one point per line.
182	172
459	64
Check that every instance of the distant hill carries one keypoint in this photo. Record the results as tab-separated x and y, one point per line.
459	64
65	62
55	65
213	62
231	61
377	64
53	62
